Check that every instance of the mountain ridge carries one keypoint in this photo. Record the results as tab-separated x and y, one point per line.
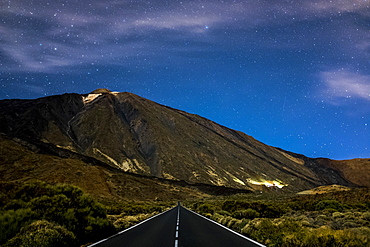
140	136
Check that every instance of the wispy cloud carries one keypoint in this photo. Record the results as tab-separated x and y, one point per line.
49	35
340	6
343	84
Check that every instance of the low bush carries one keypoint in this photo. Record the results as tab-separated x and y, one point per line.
329	204
366	216
246	214
123	222
206	208
42	234
11	221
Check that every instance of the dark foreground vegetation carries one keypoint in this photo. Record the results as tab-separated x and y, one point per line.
45	215
41	214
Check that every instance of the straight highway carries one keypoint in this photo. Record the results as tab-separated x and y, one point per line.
177	227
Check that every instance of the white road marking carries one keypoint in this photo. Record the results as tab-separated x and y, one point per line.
129	228
240	235
177	227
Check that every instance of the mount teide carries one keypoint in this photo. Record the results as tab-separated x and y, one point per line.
139	136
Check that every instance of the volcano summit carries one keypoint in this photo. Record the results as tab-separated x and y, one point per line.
136	135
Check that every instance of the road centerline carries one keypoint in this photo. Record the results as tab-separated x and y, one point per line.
164	230
177	227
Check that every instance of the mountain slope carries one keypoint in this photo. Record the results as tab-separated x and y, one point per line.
24	161
140	136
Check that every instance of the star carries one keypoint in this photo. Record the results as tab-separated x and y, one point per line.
289	74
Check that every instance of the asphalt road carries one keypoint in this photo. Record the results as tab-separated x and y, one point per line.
177	227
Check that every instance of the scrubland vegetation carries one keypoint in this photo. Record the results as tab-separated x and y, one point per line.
44	215
337	219
40	214
126	214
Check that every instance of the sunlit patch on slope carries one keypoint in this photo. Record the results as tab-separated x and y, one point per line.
67	147
235	178
128	165
168	176
294	159
216	180
274	183
125	166
238	181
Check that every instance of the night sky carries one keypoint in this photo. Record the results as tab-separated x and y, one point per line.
294	74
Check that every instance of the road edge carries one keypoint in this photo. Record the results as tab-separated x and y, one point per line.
240	235
115	235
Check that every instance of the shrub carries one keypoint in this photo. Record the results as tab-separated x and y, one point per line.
224	221
328	238
321	220
135	209
243	223
217	217
223	212
232	223
337	224
206	208
233	205
264	231
247	214
337	215
366	216
329	204
64	205
124	222
361	231
12	221
71	208
15	204
350	224
42	234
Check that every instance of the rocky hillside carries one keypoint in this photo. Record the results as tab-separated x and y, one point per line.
23	161
139	136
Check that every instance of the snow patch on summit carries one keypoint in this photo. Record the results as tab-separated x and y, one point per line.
90	97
